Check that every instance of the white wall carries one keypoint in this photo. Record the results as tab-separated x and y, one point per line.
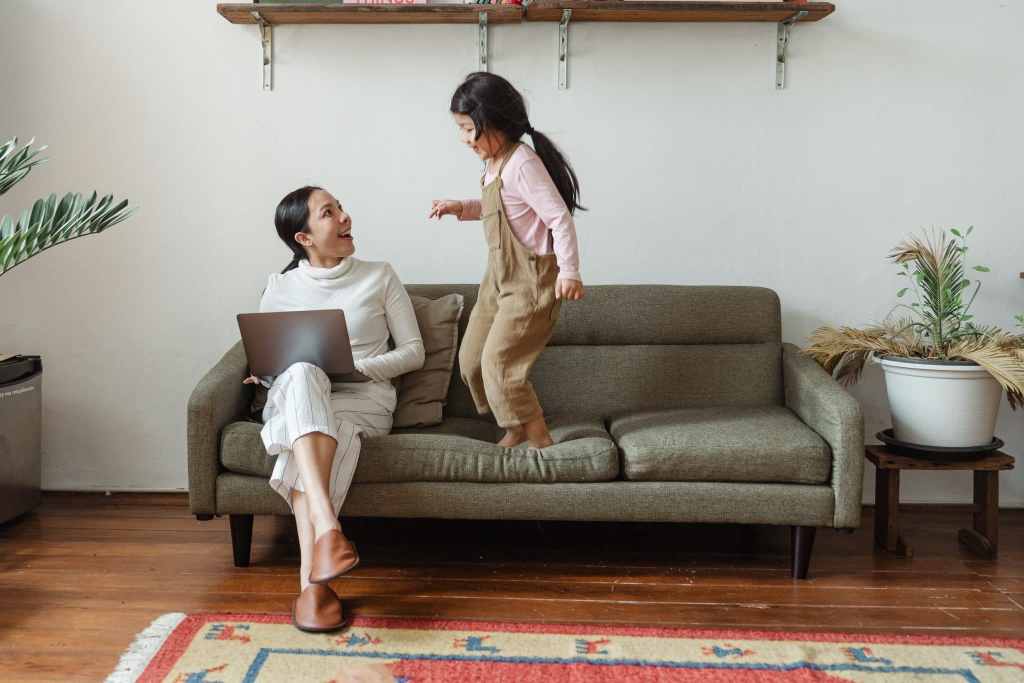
898	116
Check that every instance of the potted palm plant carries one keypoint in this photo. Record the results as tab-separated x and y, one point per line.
944	373
48	223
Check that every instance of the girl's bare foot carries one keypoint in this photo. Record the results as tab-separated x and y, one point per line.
513	437
537	433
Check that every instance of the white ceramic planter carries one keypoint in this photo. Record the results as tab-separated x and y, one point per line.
941	403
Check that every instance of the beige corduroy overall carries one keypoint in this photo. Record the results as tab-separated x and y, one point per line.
512	320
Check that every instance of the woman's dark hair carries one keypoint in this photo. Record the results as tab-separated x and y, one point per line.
292	216
494	103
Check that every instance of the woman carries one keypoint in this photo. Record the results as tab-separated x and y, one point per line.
313	427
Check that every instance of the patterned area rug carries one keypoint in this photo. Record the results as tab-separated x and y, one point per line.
223	648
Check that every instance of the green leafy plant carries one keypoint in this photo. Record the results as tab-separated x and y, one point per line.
937	325
49	222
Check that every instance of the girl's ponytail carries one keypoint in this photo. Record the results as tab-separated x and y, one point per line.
558	168
494	103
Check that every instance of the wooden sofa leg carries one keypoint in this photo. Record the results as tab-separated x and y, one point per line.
204	518
241	538
802	543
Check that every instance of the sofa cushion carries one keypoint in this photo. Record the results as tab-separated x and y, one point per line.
764	444
458	449
422	393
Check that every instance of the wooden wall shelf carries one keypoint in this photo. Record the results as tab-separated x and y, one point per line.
439	13
268	14
611	10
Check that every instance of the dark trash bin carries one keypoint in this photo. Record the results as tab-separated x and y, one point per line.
21	404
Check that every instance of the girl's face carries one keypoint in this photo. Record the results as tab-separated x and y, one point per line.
490	144
330	230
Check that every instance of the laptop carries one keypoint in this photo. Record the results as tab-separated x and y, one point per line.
275	341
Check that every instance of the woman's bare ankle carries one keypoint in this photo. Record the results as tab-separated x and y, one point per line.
323	525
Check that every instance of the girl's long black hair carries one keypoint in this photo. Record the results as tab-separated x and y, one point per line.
292	216
494	104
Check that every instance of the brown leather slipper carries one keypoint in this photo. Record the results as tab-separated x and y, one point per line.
333	555
317	610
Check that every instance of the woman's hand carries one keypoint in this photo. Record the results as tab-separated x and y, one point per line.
443	207
251	379
571	290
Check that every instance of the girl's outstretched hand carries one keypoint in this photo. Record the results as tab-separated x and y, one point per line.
571	290
251	379
443	207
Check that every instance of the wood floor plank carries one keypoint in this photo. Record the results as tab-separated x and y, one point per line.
97	589
483	608
1013	585
55	568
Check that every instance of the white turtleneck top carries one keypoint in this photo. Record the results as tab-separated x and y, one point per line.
376	307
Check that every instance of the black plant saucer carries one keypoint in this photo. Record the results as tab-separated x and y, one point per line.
886	437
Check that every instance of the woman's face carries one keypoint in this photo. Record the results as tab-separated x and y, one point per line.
330	230
490	143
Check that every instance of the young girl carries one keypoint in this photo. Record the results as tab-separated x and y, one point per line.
527	206
313	427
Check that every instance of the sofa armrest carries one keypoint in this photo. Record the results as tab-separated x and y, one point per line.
219	399
836	416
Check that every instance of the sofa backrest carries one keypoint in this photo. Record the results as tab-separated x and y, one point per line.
632	347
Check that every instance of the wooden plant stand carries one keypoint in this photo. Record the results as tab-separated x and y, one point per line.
982	539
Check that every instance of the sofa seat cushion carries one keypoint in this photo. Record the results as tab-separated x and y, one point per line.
457	450
764	444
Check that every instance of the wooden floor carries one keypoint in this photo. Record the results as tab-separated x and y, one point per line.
84	573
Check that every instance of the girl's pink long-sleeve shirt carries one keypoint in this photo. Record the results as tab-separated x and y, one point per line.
537	213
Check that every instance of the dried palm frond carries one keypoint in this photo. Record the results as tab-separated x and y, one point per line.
843	352
1002	357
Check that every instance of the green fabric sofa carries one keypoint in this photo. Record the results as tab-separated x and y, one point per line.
666	403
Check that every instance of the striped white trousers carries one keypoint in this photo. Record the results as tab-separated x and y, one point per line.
302	401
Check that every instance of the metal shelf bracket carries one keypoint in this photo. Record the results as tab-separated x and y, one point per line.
781	47
563	50
482	43
266	49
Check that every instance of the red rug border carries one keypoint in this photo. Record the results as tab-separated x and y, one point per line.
179	639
